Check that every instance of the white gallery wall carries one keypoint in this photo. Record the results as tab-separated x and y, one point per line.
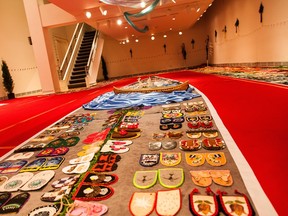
254	42
15	48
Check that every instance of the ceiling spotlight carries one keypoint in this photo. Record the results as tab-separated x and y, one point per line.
103	11
174	1
210	5
165	36
119	22
180	33
198	9
173	18
136	40
88	14
127	40
142	4
152	37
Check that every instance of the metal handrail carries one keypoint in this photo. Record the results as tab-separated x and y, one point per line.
71	49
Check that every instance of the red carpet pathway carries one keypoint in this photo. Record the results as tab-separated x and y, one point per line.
255	114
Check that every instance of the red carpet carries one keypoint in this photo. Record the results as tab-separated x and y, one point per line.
22	118
255	114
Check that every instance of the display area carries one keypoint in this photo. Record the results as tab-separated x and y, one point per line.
166	154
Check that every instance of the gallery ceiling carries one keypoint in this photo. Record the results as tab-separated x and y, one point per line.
167	15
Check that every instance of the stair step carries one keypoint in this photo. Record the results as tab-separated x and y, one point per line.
76	72
82	58
80	80
80	61
77	85
85	52
80	64
92	33
86	44
87	41
78	76
77	67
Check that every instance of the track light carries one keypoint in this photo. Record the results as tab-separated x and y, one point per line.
119	22
88	14
103	11
142	4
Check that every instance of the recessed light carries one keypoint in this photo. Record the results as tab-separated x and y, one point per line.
152	37
142	4
180	33
88	14
119	22
136	40
103	11
165	36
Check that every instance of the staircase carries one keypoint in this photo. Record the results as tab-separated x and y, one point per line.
77	78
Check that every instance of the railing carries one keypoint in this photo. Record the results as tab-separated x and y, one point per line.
93	48
67	61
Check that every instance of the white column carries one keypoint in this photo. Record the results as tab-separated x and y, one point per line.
42	48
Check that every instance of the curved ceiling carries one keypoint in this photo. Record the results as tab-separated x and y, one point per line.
168	15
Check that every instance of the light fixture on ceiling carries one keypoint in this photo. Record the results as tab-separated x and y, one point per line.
142	4
152	37
136	40
88	14
165	36
180	33
198	9
119	22
103	11
174	1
